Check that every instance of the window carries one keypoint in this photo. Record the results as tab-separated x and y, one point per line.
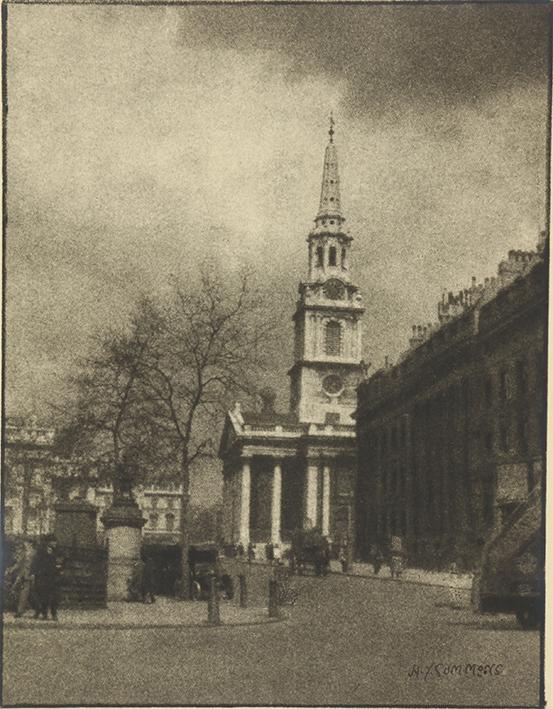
394	438
385	479
154	503
333	339
8	520
488	391
170	521
343	258
154	518
332	418
521	377
332	256
320	255
522	434
503	437
503	386
403	432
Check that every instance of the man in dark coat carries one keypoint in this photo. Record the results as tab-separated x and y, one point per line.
46	569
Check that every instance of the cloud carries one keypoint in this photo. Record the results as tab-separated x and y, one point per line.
390	57
142	140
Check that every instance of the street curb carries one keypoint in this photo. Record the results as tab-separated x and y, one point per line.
134	626
411	581
370	578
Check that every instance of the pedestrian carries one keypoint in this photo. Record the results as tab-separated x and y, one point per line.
277	554
148	580
135	583
46	568
378	560
343	556
251	552
24	578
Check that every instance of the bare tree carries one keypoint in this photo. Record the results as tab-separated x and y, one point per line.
209	349
110	421
159	389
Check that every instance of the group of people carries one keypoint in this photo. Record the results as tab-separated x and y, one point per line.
34	579
394	557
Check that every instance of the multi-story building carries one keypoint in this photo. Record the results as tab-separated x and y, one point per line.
297	469
457	427
35	479
27	473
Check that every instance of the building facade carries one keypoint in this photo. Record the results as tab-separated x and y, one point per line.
457	428
35	480
297	470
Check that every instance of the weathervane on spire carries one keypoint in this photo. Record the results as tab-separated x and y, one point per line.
331	131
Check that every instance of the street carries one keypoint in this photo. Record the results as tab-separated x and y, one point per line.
347	641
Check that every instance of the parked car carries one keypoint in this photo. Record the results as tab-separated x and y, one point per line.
204	562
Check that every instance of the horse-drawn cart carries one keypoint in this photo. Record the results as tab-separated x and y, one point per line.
309	548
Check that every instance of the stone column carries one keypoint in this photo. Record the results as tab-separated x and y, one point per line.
245	486
326	501
310	495
123	522
276	503
227	508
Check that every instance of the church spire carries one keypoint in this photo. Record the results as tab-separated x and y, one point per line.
329	207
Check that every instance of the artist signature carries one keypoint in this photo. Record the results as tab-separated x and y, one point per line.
467	669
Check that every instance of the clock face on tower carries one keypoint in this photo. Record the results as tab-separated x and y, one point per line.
333	384
334	289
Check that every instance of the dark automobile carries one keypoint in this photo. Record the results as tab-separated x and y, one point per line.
204	561
309	547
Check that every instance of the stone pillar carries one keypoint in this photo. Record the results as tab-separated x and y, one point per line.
123	522
325	523
276	504
245	487
310	495
75	523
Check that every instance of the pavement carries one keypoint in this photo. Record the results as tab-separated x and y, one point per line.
170	613
348	641
164	613
409	575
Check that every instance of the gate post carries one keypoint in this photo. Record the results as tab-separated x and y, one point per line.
273	598
213	615
243	591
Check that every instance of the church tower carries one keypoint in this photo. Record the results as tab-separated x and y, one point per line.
327	351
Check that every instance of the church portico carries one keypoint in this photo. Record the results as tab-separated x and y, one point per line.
285	478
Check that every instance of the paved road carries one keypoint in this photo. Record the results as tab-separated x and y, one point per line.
347	641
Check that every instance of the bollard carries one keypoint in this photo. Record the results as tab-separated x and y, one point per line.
273	598
213	615
243	591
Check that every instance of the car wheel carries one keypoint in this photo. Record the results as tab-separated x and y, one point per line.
528	617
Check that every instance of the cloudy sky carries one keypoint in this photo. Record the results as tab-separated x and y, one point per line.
141	139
